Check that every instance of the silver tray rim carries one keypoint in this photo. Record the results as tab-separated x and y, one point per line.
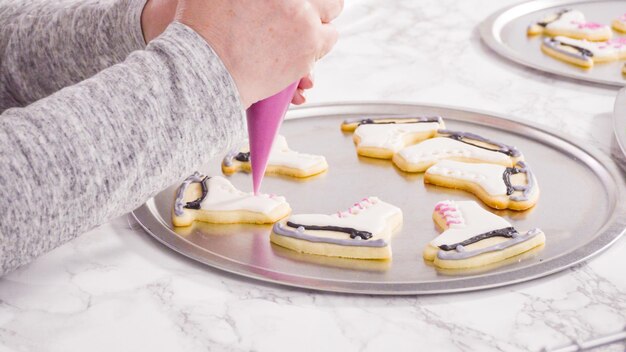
609	233
619	120
490	34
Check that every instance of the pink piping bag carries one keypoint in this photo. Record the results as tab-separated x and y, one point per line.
264	120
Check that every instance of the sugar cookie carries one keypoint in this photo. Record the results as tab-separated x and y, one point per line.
362	232
619	24
460	146
350	125
570	23
216	200
584	53
282	161
497	186
383	139
475	237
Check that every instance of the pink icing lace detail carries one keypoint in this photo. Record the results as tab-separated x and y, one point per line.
617	43
450	213
360	205
588	25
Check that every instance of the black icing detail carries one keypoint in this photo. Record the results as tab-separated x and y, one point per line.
354	233
462	137
508	232
558	16
398	120
243	157
508	172
584	53
196	203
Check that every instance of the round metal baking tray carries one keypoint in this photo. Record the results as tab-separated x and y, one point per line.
505	33
582	208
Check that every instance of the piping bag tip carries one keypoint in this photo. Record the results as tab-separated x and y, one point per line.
264	120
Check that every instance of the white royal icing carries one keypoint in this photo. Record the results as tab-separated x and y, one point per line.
609	50
435	149
573	21
487	176
391	136
370	214
281	155
476	221
223	196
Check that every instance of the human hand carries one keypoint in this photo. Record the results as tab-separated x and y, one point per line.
305	83
156	16
265	44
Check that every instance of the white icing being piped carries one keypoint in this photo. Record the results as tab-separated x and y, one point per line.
223	196
281	155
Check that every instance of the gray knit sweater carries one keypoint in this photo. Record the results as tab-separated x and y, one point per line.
94	122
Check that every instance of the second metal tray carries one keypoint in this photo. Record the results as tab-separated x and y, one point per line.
582	208
505	33
619	123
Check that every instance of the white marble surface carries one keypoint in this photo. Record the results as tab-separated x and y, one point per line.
116	289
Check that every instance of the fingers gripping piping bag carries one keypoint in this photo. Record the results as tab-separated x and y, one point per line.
264	119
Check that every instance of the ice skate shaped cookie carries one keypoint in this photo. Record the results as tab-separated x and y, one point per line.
362	232
282	161
475	237
619	24
460	146
383	140
570	23
216	200
583	52
350	125
497	186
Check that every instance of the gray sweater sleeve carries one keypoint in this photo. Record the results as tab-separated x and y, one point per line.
99	148
47	45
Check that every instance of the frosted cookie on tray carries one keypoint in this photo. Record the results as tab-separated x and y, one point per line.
383	140
475	237
619	24
497	186
570	23
282	161
460	146
216	200
583	52
350	125
362	232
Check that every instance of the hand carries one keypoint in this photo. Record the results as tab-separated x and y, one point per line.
305	83
265	44
156	16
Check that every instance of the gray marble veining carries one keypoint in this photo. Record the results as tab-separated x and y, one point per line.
116	289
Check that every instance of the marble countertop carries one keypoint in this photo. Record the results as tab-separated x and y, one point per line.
116	289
